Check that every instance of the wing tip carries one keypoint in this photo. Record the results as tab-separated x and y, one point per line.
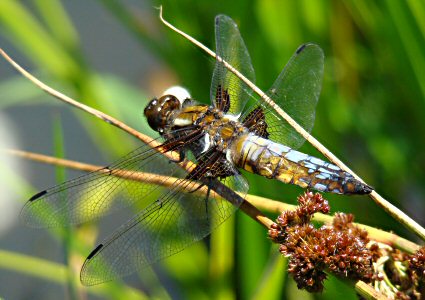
311	46
85	278
28	214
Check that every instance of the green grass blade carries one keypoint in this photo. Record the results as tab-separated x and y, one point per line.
58	22
273	279
38	46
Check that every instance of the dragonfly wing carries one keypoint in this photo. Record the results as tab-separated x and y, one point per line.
224	85
296	91
98	193
181	216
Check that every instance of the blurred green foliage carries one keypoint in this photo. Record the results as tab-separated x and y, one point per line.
371	113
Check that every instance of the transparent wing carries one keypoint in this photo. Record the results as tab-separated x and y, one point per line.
98	193
296	91
230	47
180	217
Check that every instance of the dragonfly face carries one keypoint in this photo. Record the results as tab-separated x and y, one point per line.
159	111
236	131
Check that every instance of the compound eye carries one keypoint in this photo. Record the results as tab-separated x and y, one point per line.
158	111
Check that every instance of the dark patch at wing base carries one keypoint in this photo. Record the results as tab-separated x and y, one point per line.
256	123
213	164
231	48
222	99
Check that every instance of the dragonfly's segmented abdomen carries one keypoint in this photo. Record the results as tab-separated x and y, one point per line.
272	160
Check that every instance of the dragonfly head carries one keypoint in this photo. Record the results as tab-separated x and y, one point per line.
158	111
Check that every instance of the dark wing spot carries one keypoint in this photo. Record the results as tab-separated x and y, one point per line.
38	195
256	123
94	251
222	99
300	48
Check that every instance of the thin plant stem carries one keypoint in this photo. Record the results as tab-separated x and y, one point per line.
79	105
395	212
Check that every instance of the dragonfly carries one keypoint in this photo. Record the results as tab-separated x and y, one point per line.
235	131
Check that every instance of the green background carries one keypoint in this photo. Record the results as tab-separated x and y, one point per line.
116	55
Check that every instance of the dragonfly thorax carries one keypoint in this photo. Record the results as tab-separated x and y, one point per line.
222	130
217	129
